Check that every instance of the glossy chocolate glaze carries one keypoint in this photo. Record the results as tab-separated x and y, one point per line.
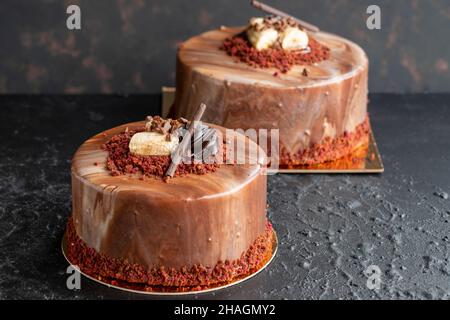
195	219
332	100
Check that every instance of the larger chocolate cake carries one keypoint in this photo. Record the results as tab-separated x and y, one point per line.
273	74
205	226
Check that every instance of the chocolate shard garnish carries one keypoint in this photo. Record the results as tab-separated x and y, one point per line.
177	155
276	12
205	143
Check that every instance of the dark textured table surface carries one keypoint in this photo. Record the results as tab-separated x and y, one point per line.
331	228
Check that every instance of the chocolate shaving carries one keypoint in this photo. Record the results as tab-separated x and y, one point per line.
278	23
178	154
305	72
164	126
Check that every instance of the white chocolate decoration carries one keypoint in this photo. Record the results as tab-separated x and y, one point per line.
262	39
294	39
256	21
152	144
264	33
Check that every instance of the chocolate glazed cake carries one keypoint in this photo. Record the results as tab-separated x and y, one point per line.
200	228
317	98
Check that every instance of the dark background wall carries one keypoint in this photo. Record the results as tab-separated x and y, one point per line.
128	46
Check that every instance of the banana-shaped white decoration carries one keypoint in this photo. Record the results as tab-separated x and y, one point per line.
152	144
294	39
261	38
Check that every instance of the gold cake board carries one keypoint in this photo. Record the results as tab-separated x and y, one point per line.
366	159
169	291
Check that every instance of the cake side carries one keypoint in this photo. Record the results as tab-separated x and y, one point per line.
119	271
313	112
188	221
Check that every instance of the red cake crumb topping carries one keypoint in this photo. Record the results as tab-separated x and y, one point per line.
240	48
329	150
120	161
194	277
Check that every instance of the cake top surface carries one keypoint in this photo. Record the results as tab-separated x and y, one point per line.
202	53
90	164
